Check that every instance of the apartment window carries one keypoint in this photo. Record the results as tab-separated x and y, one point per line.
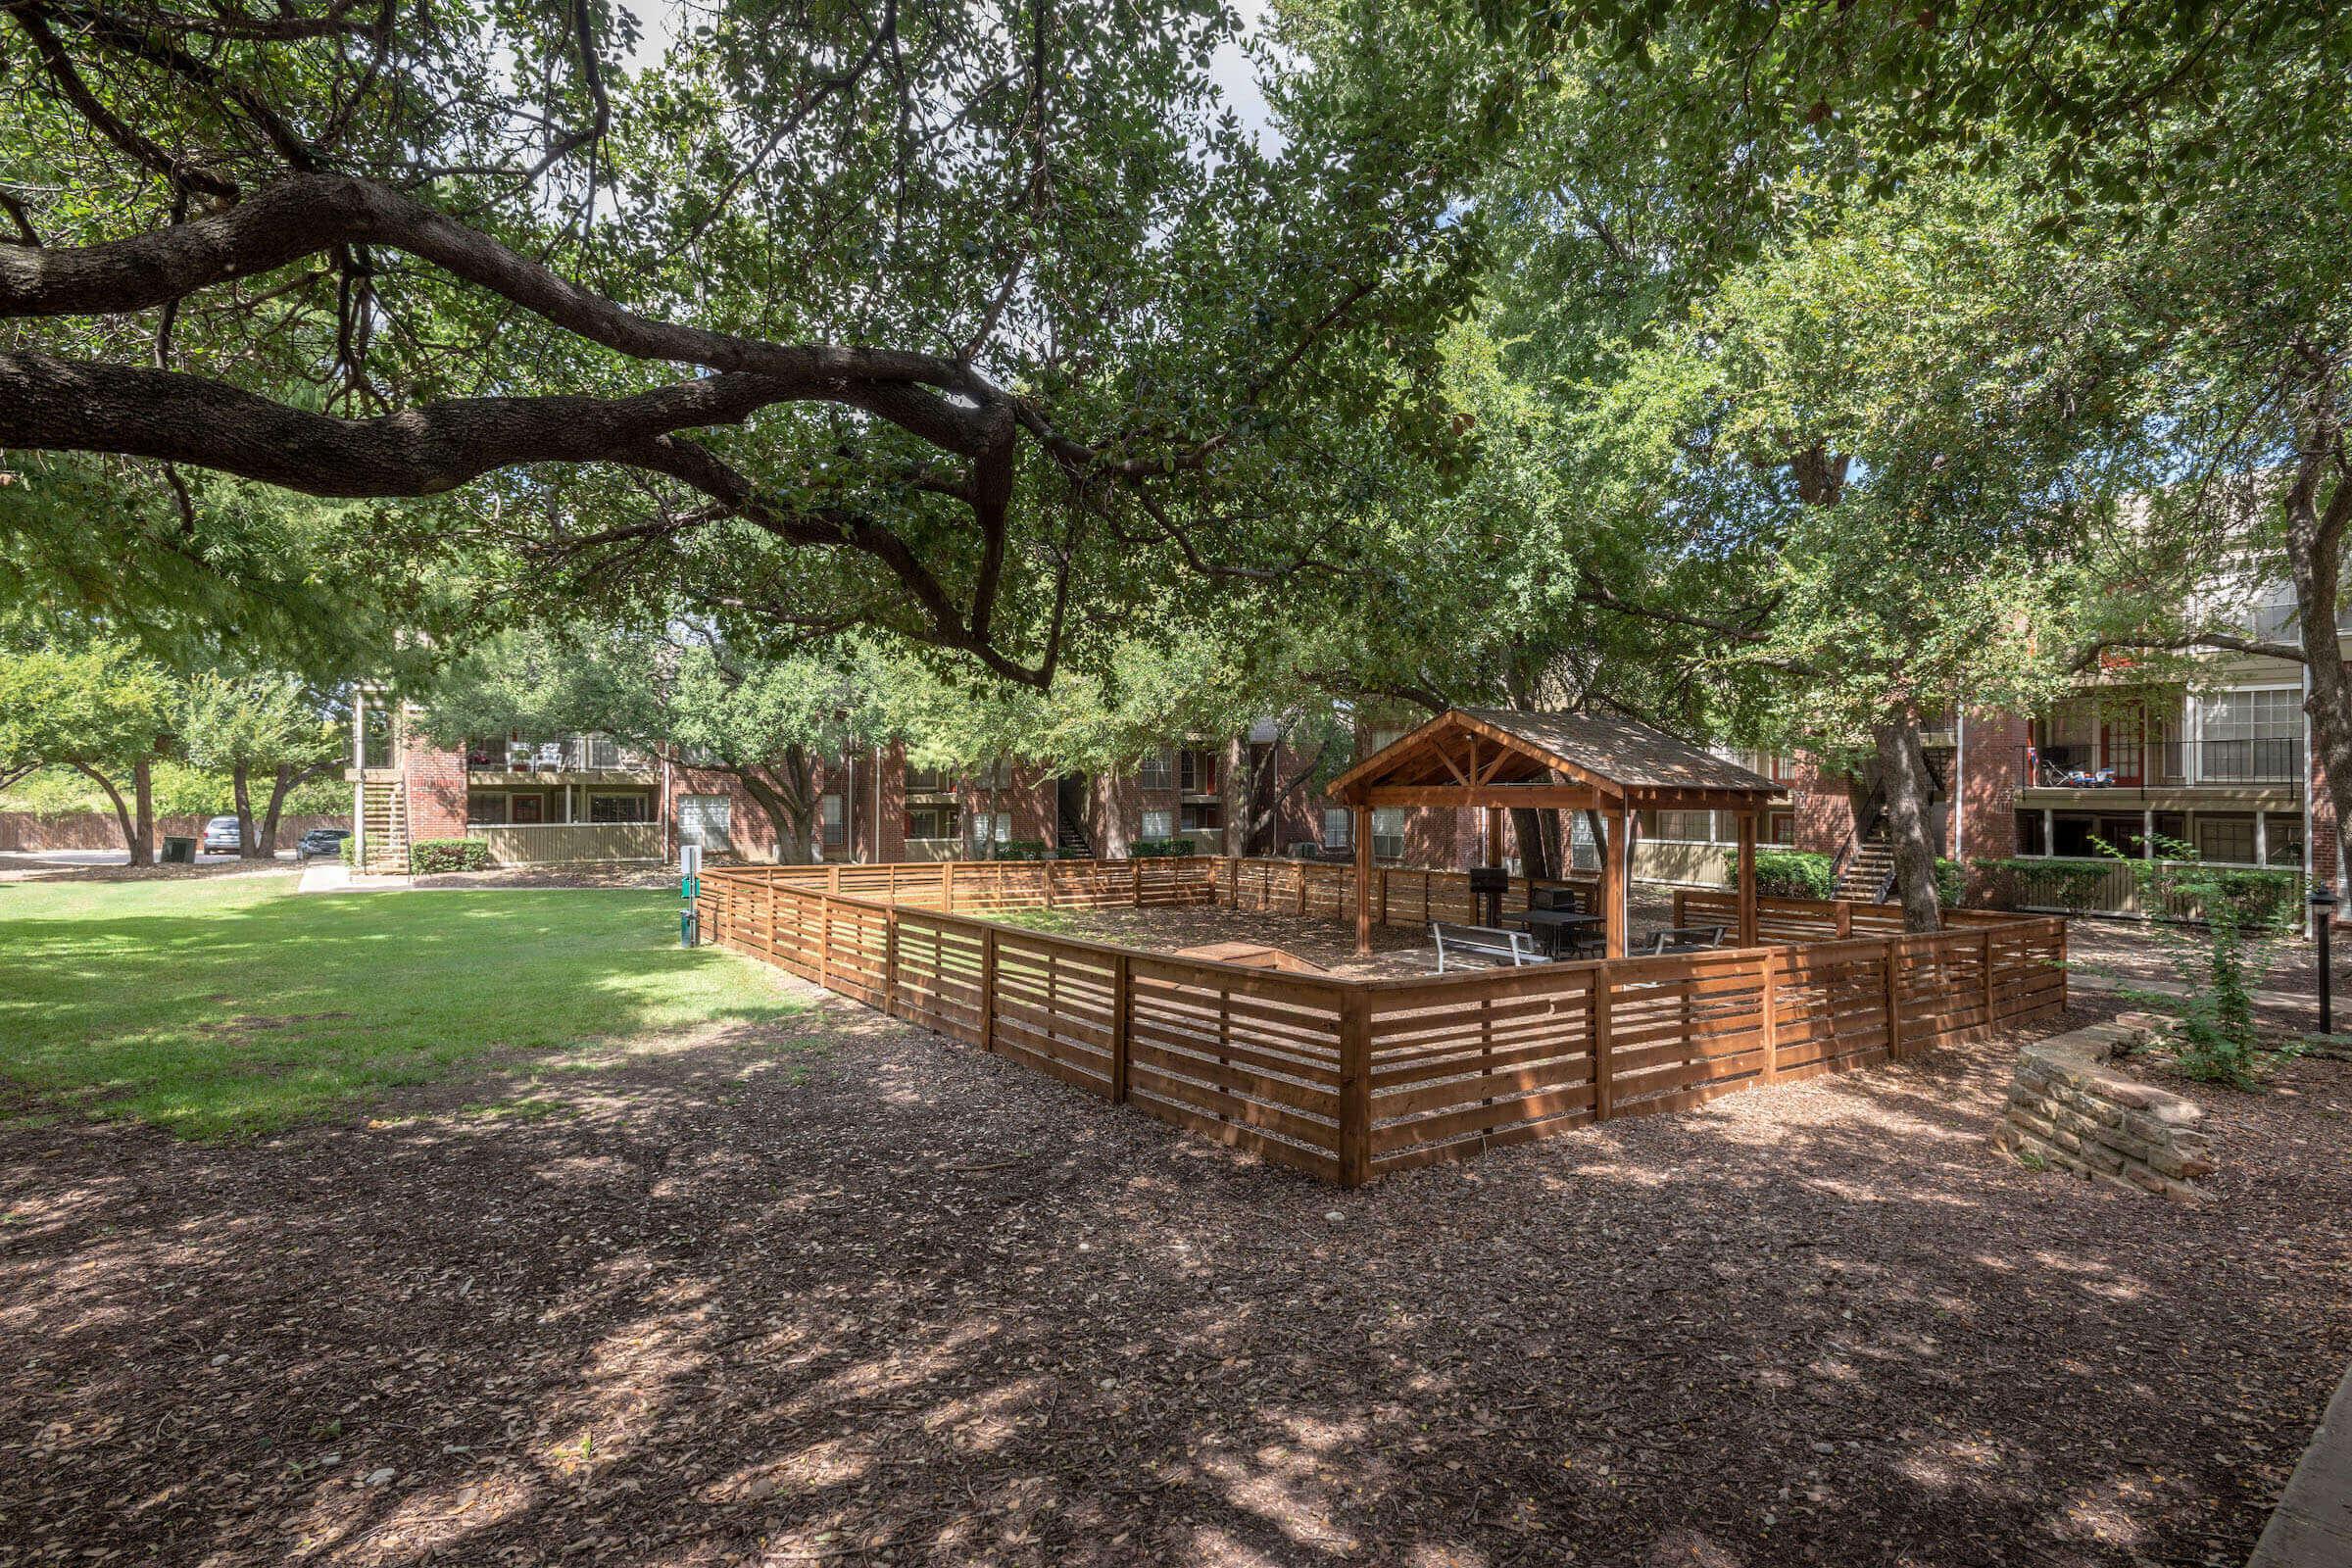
1779	827
989	827
485	809
1339	828
928	781
931	820
704	819
1159	772
2225	840
1584	853
1158	824
2029	834
829	811
1202	816
2249	734
2283	836
1387	833
997	775
1688	827
1195	771
620	809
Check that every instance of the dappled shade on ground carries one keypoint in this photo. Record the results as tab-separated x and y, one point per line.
225	1006
833	1290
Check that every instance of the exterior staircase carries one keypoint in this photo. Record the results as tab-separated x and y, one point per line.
1868	875
1071	843
384	818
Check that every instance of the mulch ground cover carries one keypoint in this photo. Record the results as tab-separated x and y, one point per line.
833	1290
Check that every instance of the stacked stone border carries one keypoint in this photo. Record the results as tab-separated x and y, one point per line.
2069	1108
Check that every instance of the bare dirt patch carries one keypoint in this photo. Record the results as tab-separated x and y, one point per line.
877	1299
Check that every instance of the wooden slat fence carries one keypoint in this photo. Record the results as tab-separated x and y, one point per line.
1350	1079
1410	897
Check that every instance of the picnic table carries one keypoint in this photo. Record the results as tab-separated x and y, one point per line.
1549	926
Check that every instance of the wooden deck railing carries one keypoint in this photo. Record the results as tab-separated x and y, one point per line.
1352	1079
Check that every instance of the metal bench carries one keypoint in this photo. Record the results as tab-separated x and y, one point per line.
1684	939
1483	942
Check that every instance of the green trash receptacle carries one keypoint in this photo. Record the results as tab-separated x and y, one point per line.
178	851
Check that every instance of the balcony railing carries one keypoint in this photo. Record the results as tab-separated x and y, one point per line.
2165	765
562	754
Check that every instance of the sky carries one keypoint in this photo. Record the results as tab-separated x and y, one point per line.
1230	70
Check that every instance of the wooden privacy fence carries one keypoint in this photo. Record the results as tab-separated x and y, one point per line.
1350	1079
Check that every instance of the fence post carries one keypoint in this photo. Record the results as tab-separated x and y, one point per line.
1987	949
1845	917
1121	987
1602	1072
1135	868
824	940
1678	907
889	961
1894	988
1769	998
946	887
833	878
1302	866
988	990
1355	1087
1383	874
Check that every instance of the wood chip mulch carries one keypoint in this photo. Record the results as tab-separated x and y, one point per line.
839	1292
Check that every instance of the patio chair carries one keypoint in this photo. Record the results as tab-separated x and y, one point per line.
519	757
1481	944
551	756
1683	939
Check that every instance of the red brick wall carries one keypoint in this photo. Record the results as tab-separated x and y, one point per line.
434	777
1992	772
1825	820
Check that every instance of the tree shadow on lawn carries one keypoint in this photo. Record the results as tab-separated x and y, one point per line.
256	1014
898	1302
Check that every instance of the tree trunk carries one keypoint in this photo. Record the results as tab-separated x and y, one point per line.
286	780
2314	545
142	786
123	817
1903	776
240	789
787	797
1535	854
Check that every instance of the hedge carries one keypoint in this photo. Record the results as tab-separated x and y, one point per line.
427	856
1161	848
1794	874
1024	849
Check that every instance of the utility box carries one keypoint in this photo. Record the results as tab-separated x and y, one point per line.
178	851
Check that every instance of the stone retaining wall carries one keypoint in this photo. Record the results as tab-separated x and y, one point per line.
2069	1108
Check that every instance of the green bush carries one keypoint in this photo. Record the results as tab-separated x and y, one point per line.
429	856
348	849
1162	848
1794	874
1024	849
1951	883
2069	885
2247	915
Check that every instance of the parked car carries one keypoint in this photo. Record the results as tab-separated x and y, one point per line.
220	836
324	841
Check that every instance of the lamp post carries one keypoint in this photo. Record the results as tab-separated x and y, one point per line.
2323	910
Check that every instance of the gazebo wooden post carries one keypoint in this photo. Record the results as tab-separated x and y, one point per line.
1363	881
1747	879
1494	814
1613	879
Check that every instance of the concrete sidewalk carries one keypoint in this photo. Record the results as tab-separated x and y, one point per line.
333	876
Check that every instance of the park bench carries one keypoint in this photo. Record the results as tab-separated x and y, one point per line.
1481	944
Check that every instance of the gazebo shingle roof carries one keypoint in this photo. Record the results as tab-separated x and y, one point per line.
1476	752
1624	751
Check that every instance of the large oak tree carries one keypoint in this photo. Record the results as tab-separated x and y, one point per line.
979	321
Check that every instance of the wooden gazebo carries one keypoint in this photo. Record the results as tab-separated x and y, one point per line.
1498	759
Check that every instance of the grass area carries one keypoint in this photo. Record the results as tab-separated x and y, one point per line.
223	1006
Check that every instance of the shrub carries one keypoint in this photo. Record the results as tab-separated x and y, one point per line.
348	849
1162	848
1951	883
1024	849
429	856
2248	914
1794	874
2069	885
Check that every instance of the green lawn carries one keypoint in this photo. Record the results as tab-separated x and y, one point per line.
231	1005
